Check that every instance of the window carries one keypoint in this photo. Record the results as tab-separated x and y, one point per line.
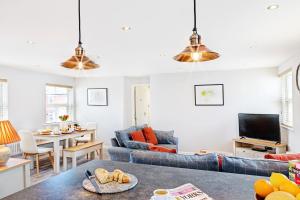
3	100
287	99
59	101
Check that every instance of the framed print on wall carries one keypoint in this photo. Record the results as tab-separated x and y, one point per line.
97	97
209	95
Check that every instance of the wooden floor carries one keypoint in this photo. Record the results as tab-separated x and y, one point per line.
46	170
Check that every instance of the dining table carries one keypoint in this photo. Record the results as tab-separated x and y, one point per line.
68	185
67	137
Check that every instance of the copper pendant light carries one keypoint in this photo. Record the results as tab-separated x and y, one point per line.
79	61
196	51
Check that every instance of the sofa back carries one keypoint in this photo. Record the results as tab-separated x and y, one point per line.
256	167
201	162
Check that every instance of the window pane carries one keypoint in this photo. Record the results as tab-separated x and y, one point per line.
3	101
59	101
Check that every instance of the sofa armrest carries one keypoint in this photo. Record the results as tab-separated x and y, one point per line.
121	154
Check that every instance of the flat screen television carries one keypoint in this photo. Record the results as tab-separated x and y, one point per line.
259	126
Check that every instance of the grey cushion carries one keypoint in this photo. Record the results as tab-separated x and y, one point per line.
164	137
169	146
114	142
253	166
137	145
202	162
123	136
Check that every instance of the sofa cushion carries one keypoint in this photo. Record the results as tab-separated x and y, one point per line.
120	154
169	146
138	136
253	166
150	135
164	137
114	142
123	136
283	157
138	145
161	149
201	162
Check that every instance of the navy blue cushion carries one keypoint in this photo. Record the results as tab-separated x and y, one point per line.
253	166
123	136
164	137
137	145
201	162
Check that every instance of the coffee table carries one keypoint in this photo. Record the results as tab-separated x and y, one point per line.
67	185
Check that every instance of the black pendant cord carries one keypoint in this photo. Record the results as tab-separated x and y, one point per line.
195	17
79	24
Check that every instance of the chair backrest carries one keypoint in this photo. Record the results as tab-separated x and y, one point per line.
91	125
28	143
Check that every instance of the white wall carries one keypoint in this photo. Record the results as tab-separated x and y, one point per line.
26	96
213	128
294	135
109	118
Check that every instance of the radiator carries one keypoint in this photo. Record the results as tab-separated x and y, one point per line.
15	149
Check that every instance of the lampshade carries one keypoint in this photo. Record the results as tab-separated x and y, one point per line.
196	53
79	61
8	134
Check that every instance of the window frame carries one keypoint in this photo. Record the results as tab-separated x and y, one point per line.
70	104
2	116
287	101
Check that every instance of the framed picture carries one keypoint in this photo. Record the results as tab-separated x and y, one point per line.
97	97
209	95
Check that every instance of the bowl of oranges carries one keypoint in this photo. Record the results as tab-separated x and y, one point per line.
278	187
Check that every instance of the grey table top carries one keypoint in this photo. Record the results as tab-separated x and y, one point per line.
67	185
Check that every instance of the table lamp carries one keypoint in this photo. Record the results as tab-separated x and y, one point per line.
8	135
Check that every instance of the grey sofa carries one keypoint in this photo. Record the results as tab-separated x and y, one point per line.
211	162
120	150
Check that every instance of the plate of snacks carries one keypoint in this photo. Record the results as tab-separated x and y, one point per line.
46	131
278	187
110	182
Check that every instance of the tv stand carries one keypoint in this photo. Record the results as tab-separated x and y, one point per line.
243	147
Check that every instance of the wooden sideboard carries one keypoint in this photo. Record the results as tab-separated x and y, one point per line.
14	176
243	147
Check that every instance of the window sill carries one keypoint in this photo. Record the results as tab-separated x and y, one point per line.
288	127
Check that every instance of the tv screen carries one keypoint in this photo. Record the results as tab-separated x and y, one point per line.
260	126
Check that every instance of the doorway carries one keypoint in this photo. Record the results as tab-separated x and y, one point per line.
141	107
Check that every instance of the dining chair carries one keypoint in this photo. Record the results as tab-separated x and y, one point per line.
29	148
86	138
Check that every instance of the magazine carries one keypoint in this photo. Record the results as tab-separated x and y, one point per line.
188	192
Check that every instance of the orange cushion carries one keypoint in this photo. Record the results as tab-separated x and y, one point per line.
161	149
138	136
150	135
283	157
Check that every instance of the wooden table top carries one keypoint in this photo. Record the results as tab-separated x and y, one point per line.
13	163
68	185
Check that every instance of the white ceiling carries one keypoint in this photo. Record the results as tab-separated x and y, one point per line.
245	33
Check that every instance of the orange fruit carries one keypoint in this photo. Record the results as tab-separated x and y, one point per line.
298	196
290	187
263	187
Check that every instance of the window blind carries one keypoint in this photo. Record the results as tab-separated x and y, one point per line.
3	99
287	99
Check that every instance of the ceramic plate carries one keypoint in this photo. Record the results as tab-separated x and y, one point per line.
112	187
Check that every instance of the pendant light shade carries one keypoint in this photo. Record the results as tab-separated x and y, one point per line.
79	61
196	51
